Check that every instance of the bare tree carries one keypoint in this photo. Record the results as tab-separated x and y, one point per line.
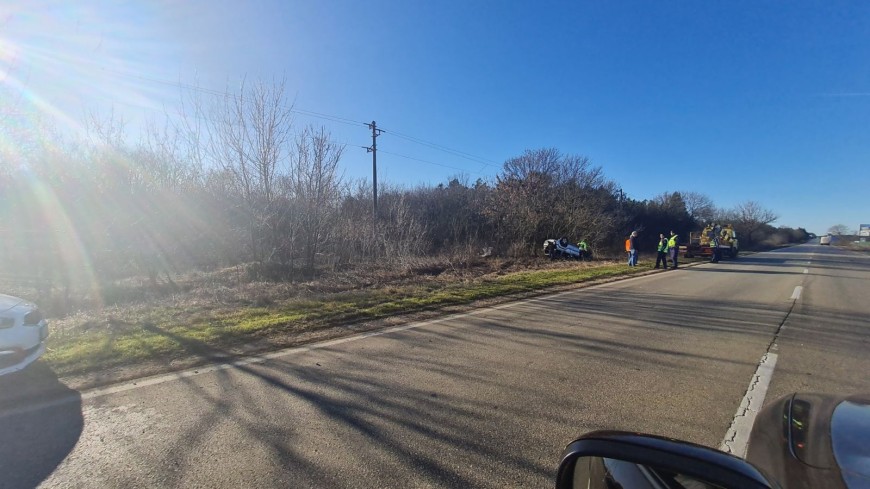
699	206
523	201
316	186
163	158
250	138
400	233
354	222
839	229
193	129
751	216
544	193
454	213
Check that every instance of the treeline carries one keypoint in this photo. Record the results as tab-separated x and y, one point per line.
235	181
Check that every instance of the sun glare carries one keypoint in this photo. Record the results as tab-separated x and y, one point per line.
58	62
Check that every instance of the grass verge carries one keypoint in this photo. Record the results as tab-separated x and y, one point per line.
166	333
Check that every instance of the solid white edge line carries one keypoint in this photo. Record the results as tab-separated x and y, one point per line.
797	292
737	437
253	360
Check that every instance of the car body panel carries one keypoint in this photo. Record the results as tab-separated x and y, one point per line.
20	343
8	302
850	432
813	440
561	248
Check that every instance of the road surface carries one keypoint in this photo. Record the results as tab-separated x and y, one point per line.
486	399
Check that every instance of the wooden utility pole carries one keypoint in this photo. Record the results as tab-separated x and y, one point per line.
374	151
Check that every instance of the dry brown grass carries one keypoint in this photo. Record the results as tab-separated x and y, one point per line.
228	288
217	312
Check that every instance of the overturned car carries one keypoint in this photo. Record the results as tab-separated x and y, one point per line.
561	248
23	331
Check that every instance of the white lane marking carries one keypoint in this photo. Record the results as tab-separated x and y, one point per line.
806	270
797	292
253	360
737	437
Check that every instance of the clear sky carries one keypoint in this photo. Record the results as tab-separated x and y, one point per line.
761	100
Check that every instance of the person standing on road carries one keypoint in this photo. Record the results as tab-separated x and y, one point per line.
662	252
714	244
584	249
674	248
632	249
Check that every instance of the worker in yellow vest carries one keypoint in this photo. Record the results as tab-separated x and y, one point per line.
674	248
662	252
584	249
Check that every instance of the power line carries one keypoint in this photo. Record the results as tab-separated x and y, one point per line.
177	113
180	114
441	147
333	118
219	93
321	115
429	162
342	120
332	141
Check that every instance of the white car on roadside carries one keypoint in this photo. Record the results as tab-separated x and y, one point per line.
826	240
23	331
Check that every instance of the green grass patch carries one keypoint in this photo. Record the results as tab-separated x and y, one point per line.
165	333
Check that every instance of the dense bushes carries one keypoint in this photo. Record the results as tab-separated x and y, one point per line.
238	183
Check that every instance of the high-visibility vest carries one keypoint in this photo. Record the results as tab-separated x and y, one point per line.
628	244
582	245
663	245
672	243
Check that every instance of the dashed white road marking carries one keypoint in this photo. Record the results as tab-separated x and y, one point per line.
806	270
737	437
797	292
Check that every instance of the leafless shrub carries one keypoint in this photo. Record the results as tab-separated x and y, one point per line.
316	186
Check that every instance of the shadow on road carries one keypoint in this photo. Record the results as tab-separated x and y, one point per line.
824	260
453	404
40	423
370	409
394	424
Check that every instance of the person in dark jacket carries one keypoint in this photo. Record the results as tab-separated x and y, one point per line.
714	244
632	249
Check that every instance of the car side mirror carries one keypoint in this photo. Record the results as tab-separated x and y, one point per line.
606	459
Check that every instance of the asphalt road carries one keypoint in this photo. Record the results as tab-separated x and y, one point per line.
487	399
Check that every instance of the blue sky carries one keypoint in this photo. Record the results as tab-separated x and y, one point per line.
760	100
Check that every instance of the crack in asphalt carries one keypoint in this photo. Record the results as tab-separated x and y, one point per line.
741	424
743	409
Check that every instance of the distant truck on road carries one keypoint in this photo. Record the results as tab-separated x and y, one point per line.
826	239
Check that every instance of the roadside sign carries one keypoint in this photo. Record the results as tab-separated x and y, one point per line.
864	230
